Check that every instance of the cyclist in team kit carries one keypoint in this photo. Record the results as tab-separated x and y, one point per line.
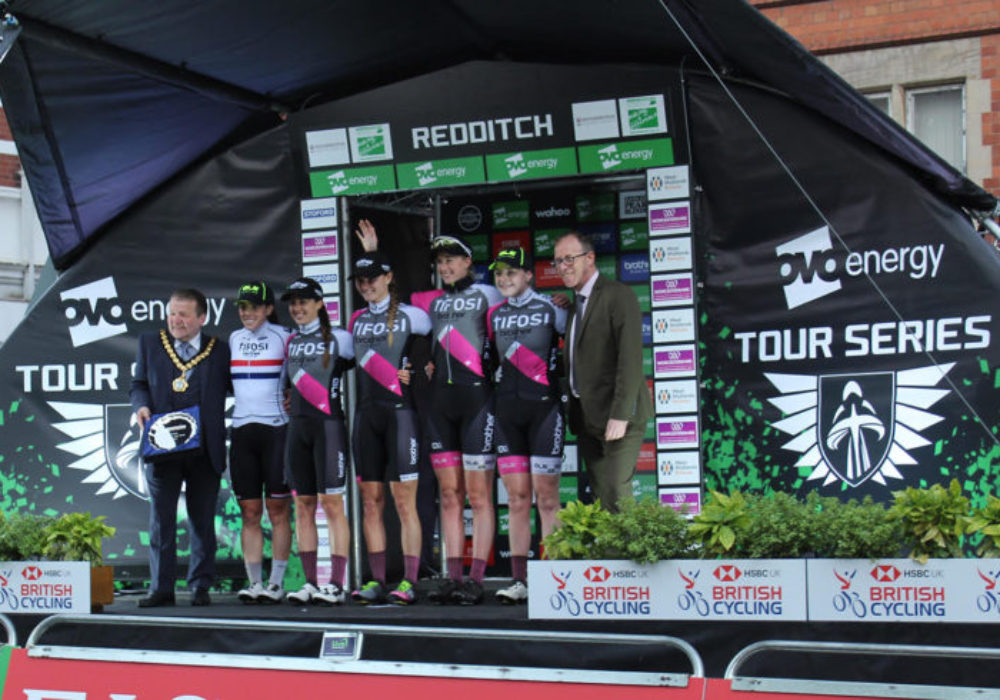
257	442
525	330
386	438
316	454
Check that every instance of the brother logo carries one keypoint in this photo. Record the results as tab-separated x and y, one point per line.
810	276
93	312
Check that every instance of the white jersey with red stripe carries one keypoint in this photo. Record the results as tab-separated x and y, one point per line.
257	368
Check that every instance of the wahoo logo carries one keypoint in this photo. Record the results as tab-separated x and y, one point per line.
807	266
727	572
597	574
885	573
93	311
859	426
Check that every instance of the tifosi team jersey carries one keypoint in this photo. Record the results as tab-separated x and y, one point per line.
458	316
380	356
525	331
257	368
317	388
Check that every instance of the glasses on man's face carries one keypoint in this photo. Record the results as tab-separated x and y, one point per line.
567	259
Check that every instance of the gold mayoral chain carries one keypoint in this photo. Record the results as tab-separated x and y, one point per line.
180	384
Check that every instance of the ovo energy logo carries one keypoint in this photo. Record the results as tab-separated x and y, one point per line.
93	311
807	267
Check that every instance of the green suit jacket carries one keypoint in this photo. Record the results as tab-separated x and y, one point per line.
608	357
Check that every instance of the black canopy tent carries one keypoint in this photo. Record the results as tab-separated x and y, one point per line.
107	101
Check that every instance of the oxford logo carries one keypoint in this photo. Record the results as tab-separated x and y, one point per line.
858	427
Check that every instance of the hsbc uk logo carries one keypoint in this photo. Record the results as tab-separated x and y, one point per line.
93	311
809	268
597	574
727	572
885	573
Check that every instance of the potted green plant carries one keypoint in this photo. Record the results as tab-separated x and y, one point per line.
985	521
79	537
933	520
23	536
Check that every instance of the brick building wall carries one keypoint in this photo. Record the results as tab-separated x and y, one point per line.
877	29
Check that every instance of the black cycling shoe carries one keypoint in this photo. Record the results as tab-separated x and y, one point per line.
469	593
443	593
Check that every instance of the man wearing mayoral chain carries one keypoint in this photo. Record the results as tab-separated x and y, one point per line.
178	395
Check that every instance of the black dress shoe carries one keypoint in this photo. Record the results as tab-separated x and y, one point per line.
201	596
157	599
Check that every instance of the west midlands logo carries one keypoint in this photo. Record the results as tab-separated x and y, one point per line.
93	311
856	427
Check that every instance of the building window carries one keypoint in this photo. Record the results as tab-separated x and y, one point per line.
880	100
936	116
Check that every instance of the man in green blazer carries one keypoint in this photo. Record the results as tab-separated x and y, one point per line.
609	401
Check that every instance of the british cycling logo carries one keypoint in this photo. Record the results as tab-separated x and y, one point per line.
93	311
856	427
846	599
690	598
809	268
989	600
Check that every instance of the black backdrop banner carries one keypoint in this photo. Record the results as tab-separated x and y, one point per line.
68	443
852	354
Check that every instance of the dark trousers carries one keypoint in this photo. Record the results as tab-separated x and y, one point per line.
201	492
611	465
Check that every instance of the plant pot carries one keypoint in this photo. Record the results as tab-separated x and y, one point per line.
102	587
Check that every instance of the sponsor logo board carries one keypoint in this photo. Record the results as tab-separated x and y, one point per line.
327	274
44	587
641	116
93	311
632	204
347	181
511	214
370	143
633	235
686	501
595	120
675	289
546	275
327	147
319	246
678	467
625	155
441	173
737	589
673	325
677	432
333	309
599	206
527	165
902	590
633	267
671	361
676	396
545	241
669	219
511	239
667	183
318	213
668	254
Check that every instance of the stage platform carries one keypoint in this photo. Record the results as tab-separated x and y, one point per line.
187	628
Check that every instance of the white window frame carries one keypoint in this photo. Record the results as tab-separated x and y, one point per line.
911	113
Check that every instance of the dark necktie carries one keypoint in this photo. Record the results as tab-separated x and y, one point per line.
577	322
